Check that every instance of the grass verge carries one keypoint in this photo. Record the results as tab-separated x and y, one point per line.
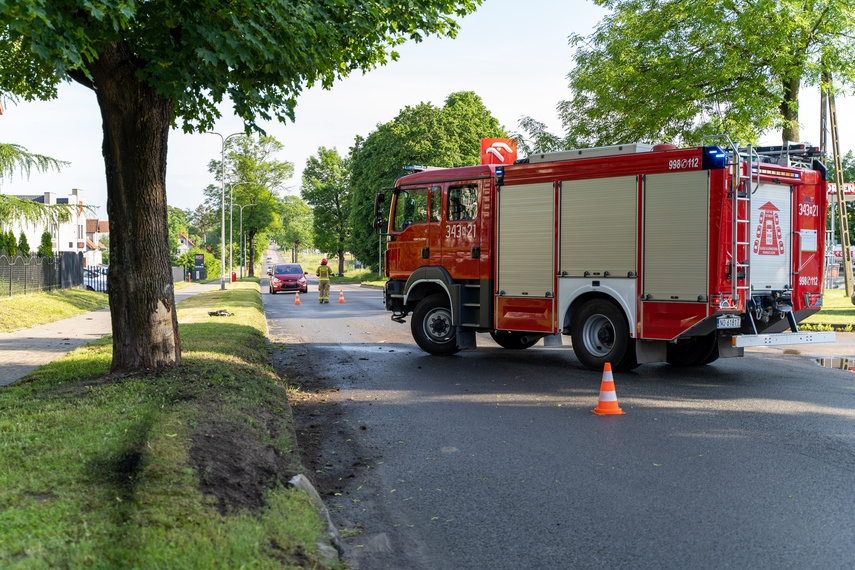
838	313
32	310
183	468
364	276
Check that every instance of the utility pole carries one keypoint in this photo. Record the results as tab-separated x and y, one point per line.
223	206
231	218
242	239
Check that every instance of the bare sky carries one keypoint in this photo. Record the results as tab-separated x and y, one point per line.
514	55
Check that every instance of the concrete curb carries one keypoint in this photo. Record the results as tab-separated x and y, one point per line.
330	549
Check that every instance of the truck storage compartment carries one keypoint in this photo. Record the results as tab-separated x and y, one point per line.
526	268
676	237
599	222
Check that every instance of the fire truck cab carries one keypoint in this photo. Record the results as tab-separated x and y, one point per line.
639	253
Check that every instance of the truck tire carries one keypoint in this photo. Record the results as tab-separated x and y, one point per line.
695	351
712	357
431	326
600	335
515	340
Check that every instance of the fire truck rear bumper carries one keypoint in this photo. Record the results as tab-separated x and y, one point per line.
776	339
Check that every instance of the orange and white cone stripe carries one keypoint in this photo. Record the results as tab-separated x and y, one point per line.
608	397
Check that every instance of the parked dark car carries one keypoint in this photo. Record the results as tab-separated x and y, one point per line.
288	277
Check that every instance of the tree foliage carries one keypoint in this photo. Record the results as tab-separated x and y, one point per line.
27	211
23	244
8	244
176	221
211	260
201	221
293	228
326	187
16	159
677	70
421	135
46	246
260	55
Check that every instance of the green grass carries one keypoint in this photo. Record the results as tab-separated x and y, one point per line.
837	309
97	471
32	310
364	276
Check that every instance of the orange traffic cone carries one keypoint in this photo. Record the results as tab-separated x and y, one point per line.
297	299
608	398
340	296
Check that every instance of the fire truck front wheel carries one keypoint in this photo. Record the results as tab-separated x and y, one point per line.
600	335
432	326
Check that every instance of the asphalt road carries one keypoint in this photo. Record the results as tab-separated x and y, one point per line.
492	458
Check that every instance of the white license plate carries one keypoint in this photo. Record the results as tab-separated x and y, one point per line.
729	322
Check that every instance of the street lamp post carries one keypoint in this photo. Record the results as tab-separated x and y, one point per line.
231	208
223	206
243	240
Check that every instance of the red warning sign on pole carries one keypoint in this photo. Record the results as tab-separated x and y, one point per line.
498	151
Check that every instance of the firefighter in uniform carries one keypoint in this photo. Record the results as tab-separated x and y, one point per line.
323	272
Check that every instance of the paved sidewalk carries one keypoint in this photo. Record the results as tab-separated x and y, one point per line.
23	351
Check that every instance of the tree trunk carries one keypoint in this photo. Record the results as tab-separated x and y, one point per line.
790	110
250	238
136	127
340	261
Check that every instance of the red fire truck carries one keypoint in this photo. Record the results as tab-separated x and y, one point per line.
639	253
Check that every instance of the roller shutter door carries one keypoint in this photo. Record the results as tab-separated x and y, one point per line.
676	236
526	240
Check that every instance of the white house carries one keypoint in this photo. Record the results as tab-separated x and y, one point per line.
94	247
184	244
67	236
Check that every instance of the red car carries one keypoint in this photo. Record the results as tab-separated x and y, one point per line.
289	277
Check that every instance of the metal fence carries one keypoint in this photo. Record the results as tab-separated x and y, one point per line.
23	275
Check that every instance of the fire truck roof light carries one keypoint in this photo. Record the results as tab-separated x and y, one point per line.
714	157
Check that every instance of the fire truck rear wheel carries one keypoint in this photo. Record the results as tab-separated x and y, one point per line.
515	340
600	334
432	327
